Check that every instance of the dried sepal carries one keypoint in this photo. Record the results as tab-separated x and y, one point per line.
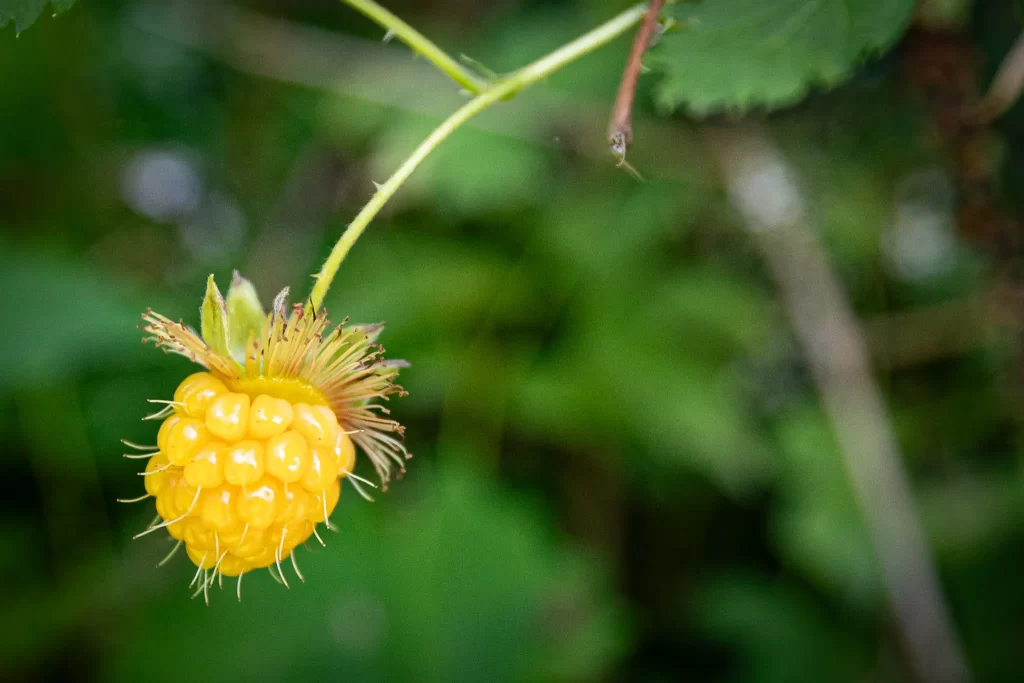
280	306
370	331
175	337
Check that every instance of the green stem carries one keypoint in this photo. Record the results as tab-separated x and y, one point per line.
495	92
420	44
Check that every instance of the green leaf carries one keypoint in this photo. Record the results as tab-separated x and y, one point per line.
245	315
736	54
780	633
25	12
215	318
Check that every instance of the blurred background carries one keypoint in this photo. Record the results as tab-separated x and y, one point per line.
624	466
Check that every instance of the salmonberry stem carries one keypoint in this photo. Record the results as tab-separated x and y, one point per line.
620	127
420	44
497	90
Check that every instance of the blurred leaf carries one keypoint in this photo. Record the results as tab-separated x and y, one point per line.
715	310
472	171
460	583
528	32
850	151
567	404
24	12
968	515
819	526
697	420
64	317
944	14
782	634
620	231
653	366
738	54
424	284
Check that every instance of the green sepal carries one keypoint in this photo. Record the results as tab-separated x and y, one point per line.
245	315
214	317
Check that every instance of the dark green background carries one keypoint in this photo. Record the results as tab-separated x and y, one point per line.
622	468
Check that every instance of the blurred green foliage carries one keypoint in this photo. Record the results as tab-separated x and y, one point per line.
622	468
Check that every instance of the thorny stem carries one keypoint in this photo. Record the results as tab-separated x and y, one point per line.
620	127
420	44
498	90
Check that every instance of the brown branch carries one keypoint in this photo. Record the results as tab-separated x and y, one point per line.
1005	89
940	331
620	128
763	188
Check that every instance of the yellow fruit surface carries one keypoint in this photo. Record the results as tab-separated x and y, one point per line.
245	478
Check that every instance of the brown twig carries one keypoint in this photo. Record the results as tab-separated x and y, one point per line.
763	188
620	128
1005	89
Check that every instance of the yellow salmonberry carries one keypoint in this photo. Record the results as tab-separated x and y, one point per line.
156	474
322	470
325	502
244	462
183	496
165	433
198	536
345	453
237	486
232	565
243	483
250	542
317	423
206	469
228	416
217	509
259	503
177	530
269	416
297	504
287	456
187	435
204	559
194	395
251	453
